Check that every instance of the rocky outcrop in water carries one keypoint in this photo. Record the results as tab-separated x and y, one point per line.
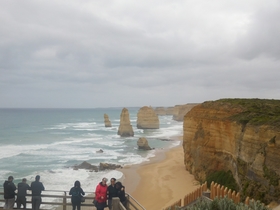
101	167
108	166
143	144
125	128
147	118
86	165
107	122
240	135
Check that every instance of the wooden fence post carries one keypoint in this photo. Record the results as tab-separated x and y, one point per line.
238	197
222	195
218	191
226	192
205	186
212	190
64	201
229	193
247	201
115	203
233	196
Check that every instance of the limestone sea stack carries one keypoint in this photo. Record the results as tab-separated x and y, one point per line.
125	128
147	118
237	135
107	122
143	144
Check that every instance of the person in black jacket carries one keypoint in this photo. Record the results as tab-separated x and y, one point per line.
76	192
21	195
111	192
37	188
121	193
9	193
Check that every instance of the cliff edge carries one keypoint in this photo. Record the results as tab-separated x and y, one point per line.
240	135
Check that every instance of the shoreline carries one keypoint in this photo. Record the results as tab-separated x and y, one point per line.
163	178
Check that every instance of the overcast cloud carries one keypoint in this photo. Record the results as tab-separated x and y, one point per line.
87	53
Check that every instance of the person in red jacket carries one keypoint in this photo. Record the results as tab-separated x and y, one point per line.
101	194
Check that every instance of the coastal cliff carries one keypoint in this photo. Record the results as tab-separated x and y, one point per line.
239	135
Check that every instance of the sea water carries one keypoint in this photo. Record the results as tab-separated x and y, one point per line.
49	142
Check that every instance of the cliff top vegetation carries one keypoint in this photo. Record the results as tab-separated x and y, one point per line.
253	111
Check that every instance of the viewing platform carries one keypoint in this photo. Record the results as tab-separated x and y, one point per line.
61	200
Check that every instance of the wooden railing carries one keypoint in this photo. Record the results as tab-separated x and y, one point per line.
60	198
216	190
220	191
191	197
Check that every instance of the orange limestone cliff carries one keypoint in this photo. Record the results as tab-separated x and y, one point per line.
240	135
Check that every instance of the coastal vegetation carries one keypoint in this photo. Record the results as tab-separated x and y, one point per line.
224	178
226	203
256	111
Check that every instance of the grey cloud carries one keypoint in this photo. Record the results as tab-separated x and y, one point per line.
68	53
262	36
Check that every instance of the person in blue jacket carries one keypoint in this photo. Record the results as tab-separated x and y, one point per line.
77	193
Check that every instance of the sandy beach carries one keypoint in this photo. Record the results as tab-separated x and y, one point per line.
161	181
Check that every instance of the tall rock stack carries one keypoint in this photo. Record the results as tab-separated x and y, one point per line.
147	118
107	122
125	128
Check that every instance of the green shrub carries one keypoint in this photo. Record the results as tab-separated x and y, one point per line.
224	178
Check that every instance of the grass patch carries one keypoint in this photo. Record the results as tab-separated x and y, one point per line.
254	111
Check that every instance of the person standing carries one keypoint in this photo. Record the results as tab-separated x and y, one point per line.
121	193
9	193
76	193
21	195
36	187
111	192
101	194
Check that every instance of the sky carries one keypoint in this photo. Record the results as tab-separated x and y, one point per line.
125	53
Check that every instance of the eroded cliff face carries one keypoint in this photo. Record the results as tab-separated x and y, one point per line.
214	140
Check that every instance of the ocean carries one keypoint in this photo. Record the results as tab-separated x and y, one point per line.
49	142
